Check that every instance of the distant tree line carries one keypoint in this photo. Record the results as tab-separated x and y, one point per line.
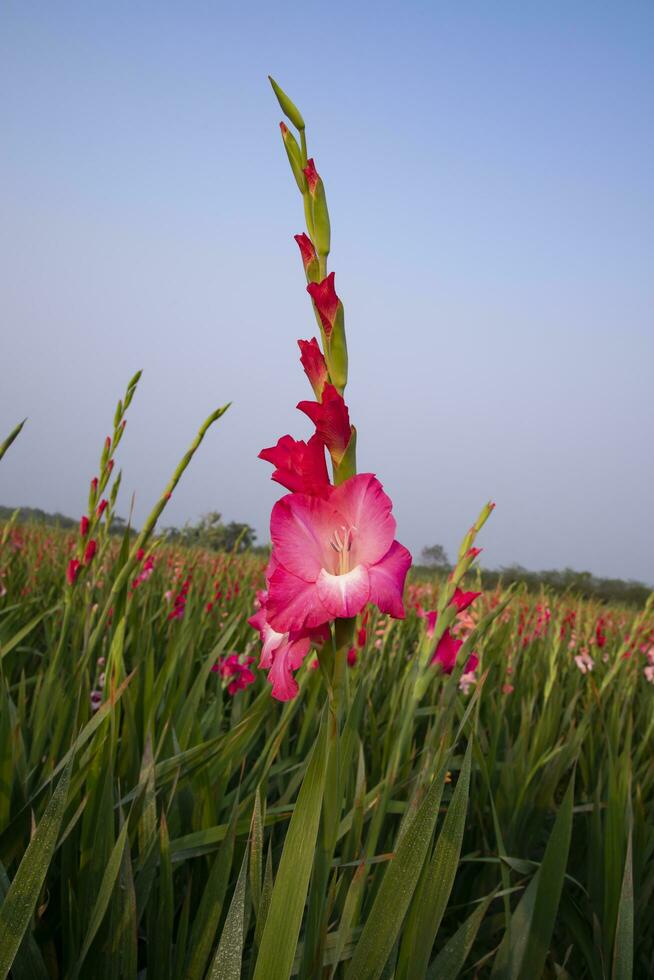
434	560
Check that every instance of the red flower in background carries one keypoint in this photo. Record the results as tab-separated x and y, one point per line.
72	570
90	551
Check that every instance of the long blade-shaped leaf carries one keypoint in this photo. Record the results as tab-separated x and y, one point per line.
432	895
396	890
229	955
18	906
280	934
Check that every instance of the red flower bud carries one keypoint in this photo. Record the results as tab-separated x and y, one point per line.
94	484
102	506
91	549
107	444
72	570
327	302
311	174
313	362
110	465
307	251
84	526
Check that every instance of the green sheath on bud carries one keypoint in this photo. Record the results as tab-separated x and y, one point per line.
336	351
290	110
321	228
294	155
347	466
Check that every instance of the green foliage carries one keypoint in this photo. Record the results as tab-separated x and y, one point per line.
187	840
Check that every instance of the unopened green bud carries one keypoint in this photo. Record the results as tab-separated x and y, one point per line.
290	110
294	155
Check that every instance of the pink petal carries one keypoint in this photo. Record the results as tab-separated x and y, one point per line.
387	580
288	657
364	505
301	528
344	595
294	604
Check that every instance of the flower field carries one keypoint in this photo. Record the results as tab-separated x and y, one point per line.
148	787
313	763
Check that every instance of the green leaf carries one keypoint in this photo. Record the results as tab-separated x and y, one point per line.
229	955
104	894
282	928
525	945
623	950
396	890
451	959
432	895
20	901
208	914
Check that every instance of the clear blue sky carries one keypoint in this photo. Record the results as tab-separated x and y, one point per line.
489	174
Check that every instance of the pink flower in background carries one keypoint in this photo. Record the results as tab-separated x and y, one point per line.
299	466
334	554
331	419
313	362
283	653
584	661
238	673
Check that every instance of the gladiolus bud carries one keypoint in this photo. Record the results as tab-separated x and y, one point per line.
294	157
313	362
110	465
102	506
309	257
72	570
290	110
90	551
84	526
332	317
94	484
320	214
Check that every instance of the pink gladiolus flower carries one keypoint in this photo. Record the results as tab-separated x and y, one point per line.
283	653
332	555
307	251
72	571
90	551
313	362
300	466
84	526
331	419
240	673
326	301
